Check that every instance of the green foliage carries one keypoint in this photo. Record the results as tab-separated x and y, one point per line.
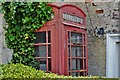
22	19
20	71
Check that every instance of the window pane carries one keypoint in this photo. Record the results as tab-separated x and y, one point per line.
84	40
69	65
73	51
49	64
77	73
40	37
84	51
80	73
36	51
73	73
77	64
76	51
49	37
42	51
49	51
68	51
73	37
73	64
68	37
76	38
79	52
81	63
43	64
85	64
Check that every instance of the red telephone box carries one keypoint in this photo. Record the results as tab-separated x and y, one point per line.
61	44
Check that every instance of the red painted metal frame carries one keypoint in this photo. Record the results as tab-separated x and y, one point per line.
68	28
59	36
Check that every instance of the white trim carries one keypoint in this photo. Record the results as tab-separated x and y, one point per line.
112	56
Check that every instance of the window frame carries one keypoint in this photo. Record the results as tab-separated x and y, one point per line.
83	71
47	44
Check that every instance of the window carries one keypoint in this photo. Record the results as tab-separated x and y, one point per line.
43	50
76	54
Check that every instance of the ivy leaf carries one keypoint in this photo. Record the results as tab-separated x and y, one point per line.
11	37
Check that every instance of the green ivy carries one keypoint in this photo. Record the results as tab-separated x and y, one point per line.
22	19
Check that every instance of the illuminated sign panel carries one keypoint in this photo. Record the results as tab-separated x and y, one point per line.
72	18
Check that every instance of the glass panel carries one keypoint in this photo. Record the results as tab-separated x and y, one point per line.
49	64
80	73
77	64
36	51
49	51
73	37
73	51
69	51
76	51
85	64
49	37
73	73
77	73
81	63
76	38
40	37
42	51
43	64
84	40
79	52
69	73
68	37
69	64
73	64
84	51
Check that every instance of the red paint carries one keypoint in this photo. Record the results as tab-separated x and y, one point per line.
59	29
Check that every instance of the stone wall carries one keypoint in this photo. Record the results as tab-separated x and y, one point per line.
106	22
5	53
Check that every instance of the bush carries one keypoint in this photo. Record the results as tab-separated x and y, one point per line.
21	71
13	71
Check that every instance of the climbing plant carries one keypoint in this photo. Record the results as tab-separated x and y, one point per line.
22	19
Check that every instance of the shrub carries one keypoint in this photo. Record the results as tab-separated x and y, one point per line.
20	71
